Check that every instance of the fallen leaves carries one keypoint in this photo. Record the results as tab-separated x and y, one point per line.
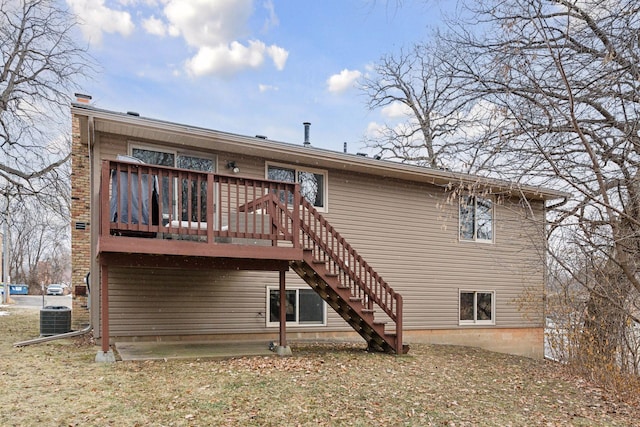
320	385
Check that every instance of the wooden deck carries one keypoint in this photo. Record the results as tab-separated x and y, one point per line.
157	210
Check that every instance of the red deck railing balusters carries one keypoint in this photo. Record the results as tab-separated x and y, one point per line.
193	203
353	270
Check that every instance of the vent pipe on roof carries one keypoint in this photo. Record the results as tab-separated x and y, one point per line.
307	143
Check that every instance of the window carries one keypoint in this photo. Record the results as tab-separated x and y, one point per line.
476	219
312	182
477	308
191	161
304	307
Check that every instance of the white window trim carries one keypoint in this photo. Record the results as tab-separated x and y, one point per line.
493	222
296	323
475	315
323	172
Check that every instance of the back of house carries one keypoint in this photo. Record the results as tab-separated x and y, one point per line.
459	256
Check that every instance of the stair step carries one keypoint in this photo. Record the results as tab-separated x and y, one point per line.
356	310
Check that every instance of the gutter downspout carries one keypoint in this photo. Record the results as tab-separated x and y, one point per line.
71	334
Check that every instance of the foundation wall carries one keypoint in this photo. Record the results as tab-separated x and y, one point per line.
527	342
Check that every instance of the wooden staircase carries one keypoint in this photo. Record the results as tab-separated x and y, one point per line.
348	284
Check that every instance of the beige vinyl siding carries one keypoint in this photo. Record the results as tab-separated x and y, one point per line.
409	234
146	301
111	146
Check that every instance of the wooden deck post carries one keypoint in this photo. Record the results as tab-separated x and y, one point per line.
105	354
211	214
399	325
295	227
283	349
104	306
105	207
283	311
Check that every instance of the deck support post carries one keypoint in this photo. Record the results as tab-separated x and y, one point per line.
283	349
105	354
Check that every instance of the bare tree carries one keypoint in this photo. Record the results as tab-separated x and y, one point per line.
414	86
565	76
40	62
559	81
40	242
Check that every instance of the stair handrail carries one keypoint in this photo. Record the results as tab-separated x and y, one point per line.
378	291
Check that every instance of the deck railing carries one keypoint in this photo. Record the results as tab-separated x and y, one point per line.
342	261
144	200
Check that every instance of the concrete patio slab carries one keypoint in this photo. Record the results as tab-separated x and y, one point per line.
190	350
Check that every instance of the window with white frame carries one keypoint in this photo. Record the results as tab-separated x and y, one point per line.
476	218
304	307
312	182
201	162
477	308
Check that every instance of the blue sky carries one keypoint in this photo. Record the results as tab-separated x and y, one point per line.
258	67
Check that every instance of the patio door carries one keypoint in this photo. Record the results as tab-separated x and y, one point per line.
178	209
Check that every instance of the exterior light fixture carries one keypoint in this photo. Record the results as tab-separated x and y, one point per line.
231	164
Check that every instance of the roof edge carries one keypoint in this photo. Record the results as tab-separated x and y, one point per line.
374	166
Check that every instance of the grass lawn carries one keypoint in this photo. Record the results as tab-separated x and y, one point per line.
59	384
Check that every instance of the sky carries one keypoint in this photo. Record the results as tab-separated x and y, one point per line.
250	67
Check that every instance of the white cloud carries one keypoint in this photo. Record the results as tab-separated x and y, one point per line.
266	88
209	23
215	29
136	2
339	83
272	20
227	59
396	110
375	130
154	26
96	19
278	55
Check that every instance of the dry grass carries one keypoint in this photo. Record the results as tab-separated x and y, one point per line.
58	384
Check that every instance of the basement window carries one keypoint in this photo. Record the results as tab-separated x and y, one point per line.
477	308
304	307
